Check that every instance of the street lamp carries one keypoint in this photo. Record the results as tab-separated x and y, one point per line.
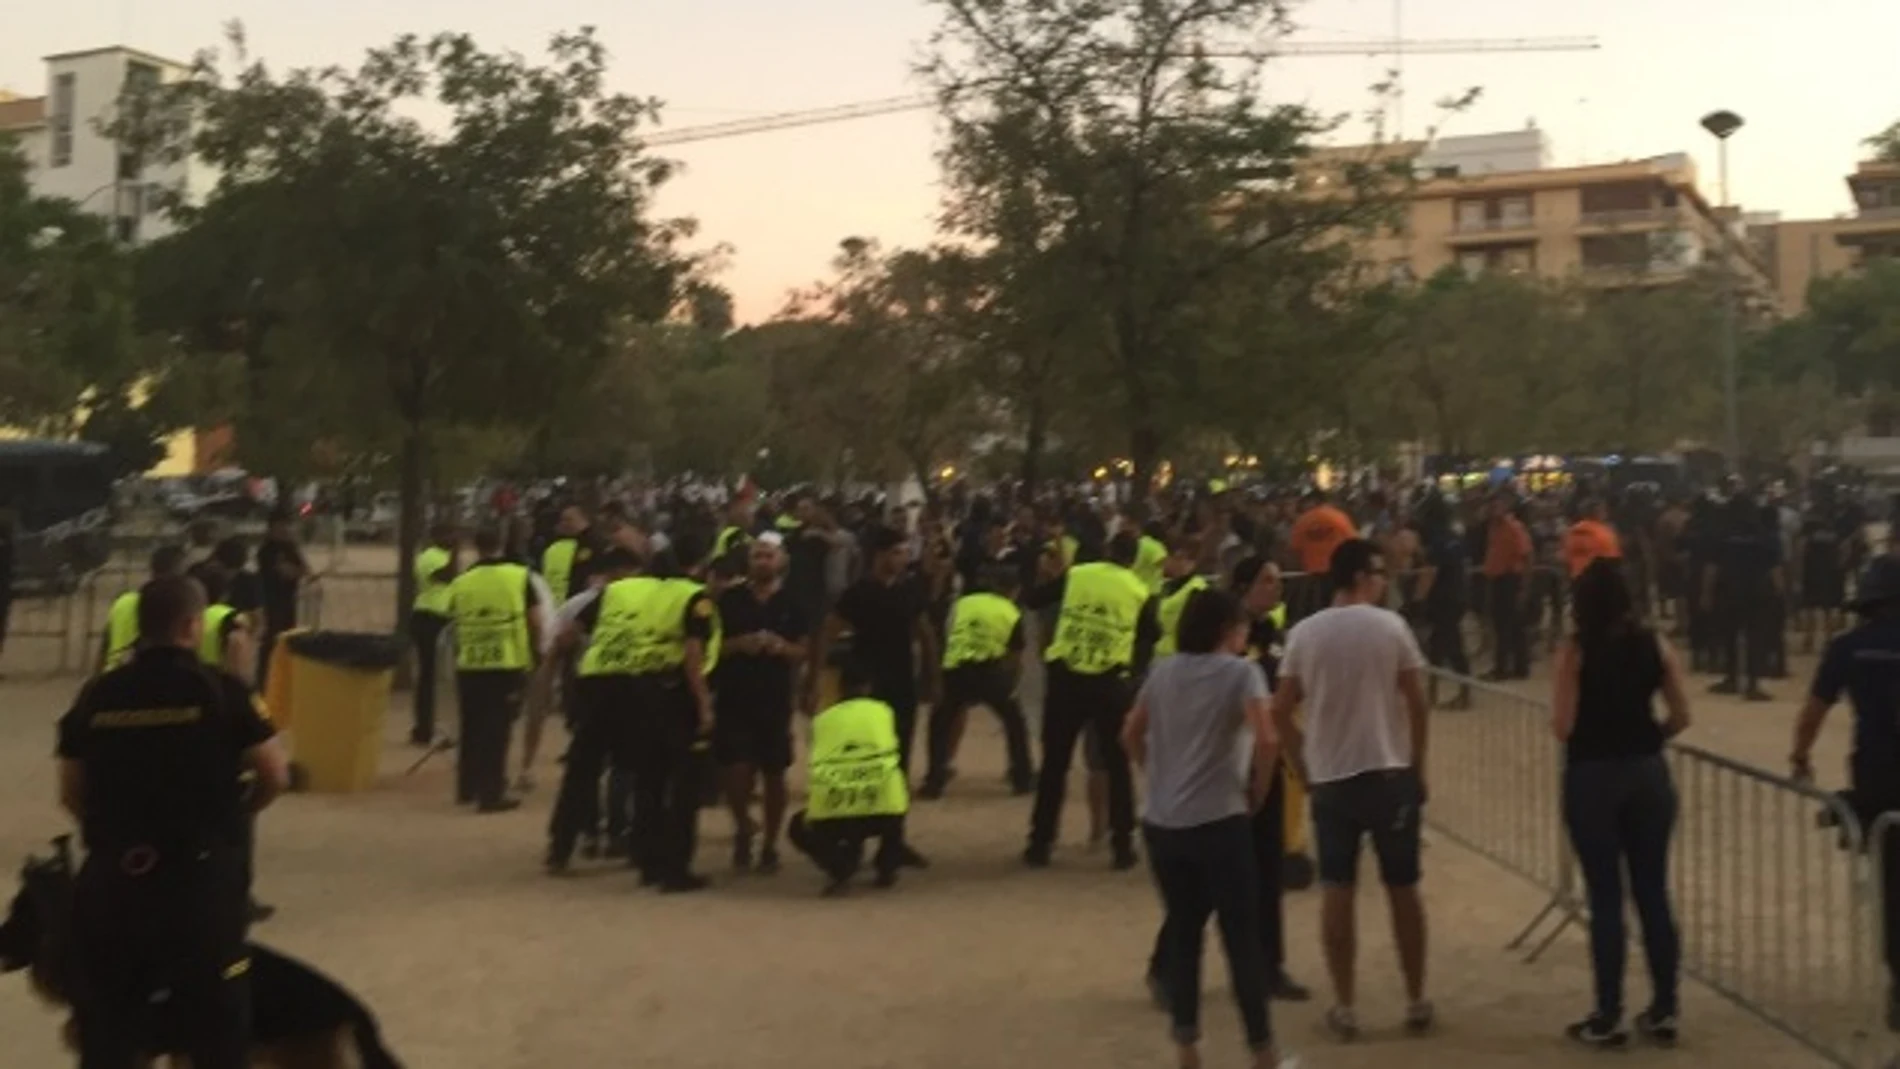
1723	125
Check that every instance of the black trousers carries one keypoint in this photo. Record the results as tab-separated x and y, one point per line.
1740	639
1268	831
1078	703
490	701
665	783
179	928
606	707
1209	870
901	696
1513	660
425	631
1445	642
837	845
988	683
266	645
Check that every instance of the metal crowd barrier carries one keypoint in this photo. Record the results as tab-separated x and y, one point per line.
1884	859
1775	898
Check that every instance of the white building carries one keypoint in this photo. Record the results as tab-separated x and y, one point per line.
60	133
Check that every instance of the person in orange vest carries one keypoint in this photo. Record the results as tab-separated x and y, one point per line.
1589	538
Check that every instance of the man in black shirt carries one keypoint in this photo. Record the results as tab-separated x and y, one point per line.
150	759
1823	560
1744	575
765	642
281	570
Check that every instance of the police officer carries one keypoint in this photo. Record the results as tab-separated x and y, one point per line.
1106	628
857	785
497	629
1737	588
122	619
150	759
651	641
1864	663
603	728
982	658
428	619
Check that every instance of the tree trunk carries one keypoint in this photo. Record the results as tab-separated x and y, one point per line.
1035	440
408	526
1144	451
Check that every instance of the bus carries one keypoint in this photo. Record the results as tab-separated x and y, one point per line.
57	497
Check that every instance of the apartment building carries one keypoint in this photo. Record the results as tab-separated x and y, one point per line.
69	155
1803	250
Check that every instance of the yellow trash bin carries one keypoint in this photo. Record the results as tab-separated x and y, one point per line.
338	692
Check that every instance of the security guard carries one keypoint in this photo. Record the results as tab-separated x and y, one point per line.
497	629
226	643
603	727
982	659
1151	553
1864	663
150	758
122	619
428	619
857	785
729	553
1179	583
650	640
565	562
1105	633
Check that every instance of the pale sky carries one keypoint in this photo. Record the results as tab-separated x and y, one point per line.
1811	79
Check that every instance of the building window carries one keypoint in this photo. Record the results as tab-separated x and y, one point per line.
1472	263
60	121
1471	215
1515	211
1518	259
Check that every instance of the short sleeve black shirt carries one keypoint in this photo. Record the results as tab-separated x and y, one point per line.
758	682
160	742
279	595
883	621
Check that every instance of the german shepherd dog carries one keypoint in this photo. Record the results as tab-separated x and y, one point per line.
300	1018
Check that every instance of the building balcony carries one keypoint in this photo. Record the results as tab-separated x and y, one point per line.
1629	219
1480	231
1872	226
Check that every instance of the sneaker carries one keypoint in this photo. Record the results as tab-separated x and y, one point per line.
1657	1028
1420	1016
1283	988
1342	1023
1598	1031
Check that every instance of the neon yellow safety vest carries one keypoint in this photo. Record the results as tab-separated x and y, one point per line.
557	566
211	646
1069	547
854	763
980	627
1278	616
787	522
432	596
641	629
713	640
1150	555
1169	611
728	537
122	628
1101	608
489	603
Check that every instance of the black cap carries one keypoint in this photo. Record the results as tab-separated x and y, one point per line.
1879	584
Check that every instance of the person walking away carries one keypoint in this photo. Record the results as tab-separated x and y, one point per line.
1105	632
1507	565
1590	537
1356	669
1619	803
1863	663
605	703
497	629
1201	730
1443	587
982	660
858	788
428	619
1735	592
122	618
225	646
766	640
150	759
281	570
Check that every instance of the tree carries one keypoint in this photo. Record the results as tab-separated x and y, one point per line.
1104	135
1886	144
423	281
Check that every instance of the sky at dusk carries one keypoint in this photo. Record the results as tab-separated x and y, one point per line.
1812	79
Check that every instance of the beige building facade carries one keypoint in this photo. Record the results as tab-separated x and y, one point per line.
1804	250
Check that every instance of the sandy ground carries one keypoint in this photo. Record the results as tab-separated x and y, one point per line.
474	960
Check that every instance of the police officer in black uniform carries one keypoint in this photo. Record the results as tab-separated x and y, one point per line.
150	759
1864	663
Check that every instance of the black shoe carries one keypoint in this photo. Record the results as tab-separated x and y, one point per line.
886	879
1158	993
837	886
1283	988
687	884
932	790
1022	785
1727	686
615	848
741	854
909	858
768	861
650	879
556	865
1657	1028
499	805
1598	1031
1125	859
1036	857
261	912
590	847
1756	694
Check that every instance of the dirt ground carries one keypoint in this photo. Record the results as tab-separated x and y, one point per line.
475	960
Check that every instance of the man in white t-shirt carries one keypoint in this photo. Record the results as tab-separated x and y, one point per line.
1361	752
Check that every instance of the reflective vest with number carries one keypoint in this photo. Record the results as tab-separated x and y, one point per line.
1150	555
855	771
1101	608
122	629
211	646
489	603
432	596
980	627
641	629
1169	611
557	567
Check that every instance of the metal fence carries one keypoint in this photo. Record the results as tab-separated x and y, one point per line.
1776	902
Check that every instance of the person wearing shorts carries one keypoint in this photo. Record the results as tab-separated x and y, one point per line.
1358	671
766	632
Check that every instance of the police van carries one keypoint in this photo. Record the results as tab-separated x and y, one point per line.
56	498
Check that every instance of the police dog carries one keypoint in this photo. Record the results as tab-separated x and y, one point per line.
301	1019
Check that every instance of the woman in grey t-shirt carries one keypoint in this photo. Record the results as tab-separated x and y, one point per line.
1200	729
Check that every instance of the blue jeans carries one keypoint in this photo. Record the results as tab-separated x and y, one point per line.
1621	813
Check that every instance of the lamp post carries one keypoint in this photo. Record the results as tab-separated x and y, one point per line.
1723	125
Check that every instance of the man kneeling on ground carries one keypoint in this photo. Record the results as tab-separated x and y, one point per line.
856	786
